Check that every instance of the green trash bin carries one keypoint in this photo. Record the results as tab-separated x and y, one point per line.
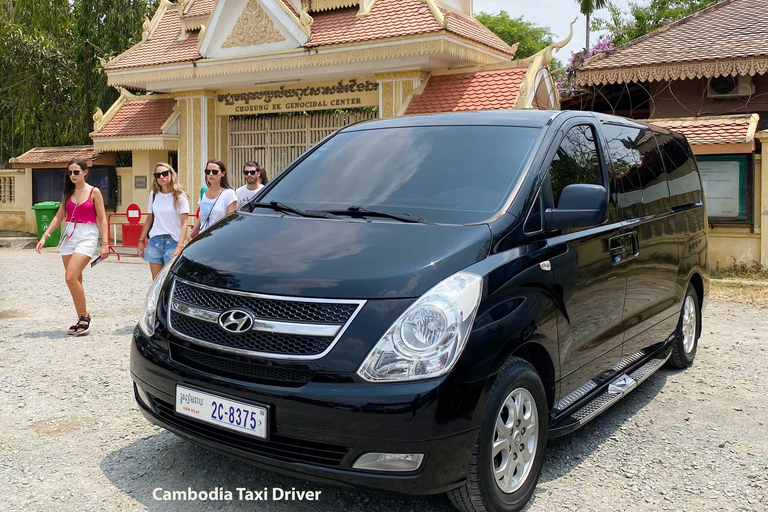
45	212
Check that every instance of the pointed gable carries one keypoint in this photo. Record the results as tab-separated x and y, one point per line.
239	28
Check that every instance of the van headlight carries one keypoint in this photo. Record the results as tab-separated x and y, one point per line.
147	320
427	340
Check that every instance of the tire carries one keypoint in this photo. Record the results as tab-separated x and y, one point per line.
688	331
517	383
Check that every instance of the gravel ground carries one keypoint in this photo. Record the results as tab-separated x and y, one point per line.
72	439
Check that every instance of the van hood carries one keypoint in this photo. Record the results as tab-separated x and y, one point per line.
322	258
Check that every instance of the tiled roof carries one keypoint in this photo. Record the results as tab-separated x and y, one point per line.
728	30
476	31
482	90
61	155
395	18
200	8
713	130
139	117
162	48
388	18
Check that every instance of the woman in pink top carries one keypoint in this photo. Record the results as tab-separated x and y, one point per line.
82	207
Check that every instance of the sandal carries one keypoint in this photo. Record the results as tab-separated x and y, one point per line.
85	324
72	330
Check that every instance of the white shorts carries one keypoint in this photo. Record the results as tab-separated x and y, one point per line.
84	240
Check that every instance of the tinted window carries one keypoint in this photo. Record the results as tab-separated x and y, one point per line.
684	183
638	170
454	174
626	163
576	161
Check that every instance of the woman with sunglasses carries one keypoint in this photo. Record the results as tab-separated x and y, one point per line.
166	224
219	199
82	206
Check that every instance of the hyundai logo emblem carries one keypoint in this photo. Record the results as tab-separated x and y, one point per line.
236	321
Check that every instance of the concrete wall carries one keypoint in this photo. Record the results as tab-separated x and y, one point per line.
143	165
17	214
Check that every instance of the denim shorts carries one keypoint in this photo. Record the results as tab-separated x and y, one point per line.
160	249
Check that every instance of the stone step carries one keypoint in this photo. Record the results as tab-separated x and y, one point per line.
18	242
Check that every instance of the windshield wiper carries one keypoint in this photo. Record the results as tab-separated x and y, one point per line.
281	207
402	217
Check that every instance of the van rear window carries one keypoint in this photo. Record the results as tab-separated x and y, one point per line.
450	174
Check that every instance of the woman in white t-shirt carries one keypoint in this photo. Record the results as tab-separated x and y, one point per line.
219	199
166	224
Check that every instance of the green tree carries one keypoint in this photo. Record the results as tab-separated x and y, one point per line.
530	37
642	18
47	49
587	7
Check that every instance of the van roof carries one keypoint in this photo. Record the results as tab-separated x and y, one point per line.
526	118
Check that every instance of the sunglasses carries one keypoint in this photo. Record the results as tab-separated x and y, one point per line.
212	171
251	173
76	173
163	174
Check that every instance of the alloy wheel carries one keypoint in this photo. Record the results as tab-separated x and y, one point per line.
514	441
689	324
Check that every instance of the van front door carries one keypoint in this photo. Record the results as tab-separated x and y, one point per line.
588	266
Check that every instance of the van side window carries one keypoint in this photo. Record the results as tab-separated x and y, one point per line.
627	163
638	169
576	161
683	179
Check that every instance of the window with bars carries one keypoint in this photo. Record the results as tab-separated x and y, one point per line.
7	189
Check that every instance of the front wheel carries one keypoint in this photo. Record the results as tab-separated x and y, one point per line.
506	462
688	331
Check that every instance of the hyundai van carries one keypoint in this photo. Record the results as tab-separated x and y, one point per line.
418	304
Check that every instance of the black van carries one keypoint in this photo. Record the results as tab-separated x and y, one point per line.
418	304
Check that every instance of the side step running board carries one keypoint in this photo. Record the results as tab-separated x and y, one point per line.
615	391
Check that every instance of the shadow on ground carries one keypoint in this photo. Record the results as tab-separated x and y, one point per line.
173	464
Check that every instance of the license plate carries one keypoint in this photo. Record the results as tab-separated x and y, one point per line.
222	412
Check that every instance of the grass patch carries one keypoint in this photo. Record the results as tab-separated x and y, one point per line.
740	271
740	293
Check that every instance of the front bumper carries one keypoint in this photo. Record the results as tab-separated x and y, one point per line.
318	430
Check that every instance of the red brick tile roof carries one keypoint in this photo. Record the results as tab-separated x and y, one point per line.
388	18
139	117
482	90
163	47
714	130
200	8
56	155
476	31
395	18
733	29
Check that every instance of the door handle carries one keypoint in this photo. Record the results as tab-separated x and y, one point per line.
634	239
616	248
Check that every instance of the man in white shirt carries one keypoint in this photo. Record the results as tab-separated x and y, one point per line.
255	178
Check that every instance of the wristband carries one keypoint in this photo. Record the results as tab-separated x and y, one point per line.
46	235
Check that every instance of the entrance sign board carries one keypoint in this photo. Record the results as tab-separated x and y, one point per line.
299	97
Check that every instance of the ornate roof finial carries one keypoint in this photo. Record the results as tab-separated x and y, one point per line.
306	19
557	46
145	28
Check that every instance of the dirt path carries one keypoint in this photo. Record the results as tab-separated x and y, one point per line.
71	438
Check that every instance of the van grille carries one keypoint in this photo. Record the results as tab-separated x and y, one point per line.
237	368
256	341
272	309
281	327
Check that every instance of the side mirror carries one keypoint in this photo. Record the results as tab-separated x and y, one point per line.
580	206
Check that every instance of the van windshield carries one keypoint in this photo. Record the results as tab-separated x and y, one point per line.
443	174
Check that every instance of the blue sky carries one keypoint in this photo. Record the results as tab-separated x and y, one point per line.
555	14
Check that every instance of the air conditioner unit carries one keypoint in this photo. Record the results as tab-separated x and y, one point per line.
730	87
